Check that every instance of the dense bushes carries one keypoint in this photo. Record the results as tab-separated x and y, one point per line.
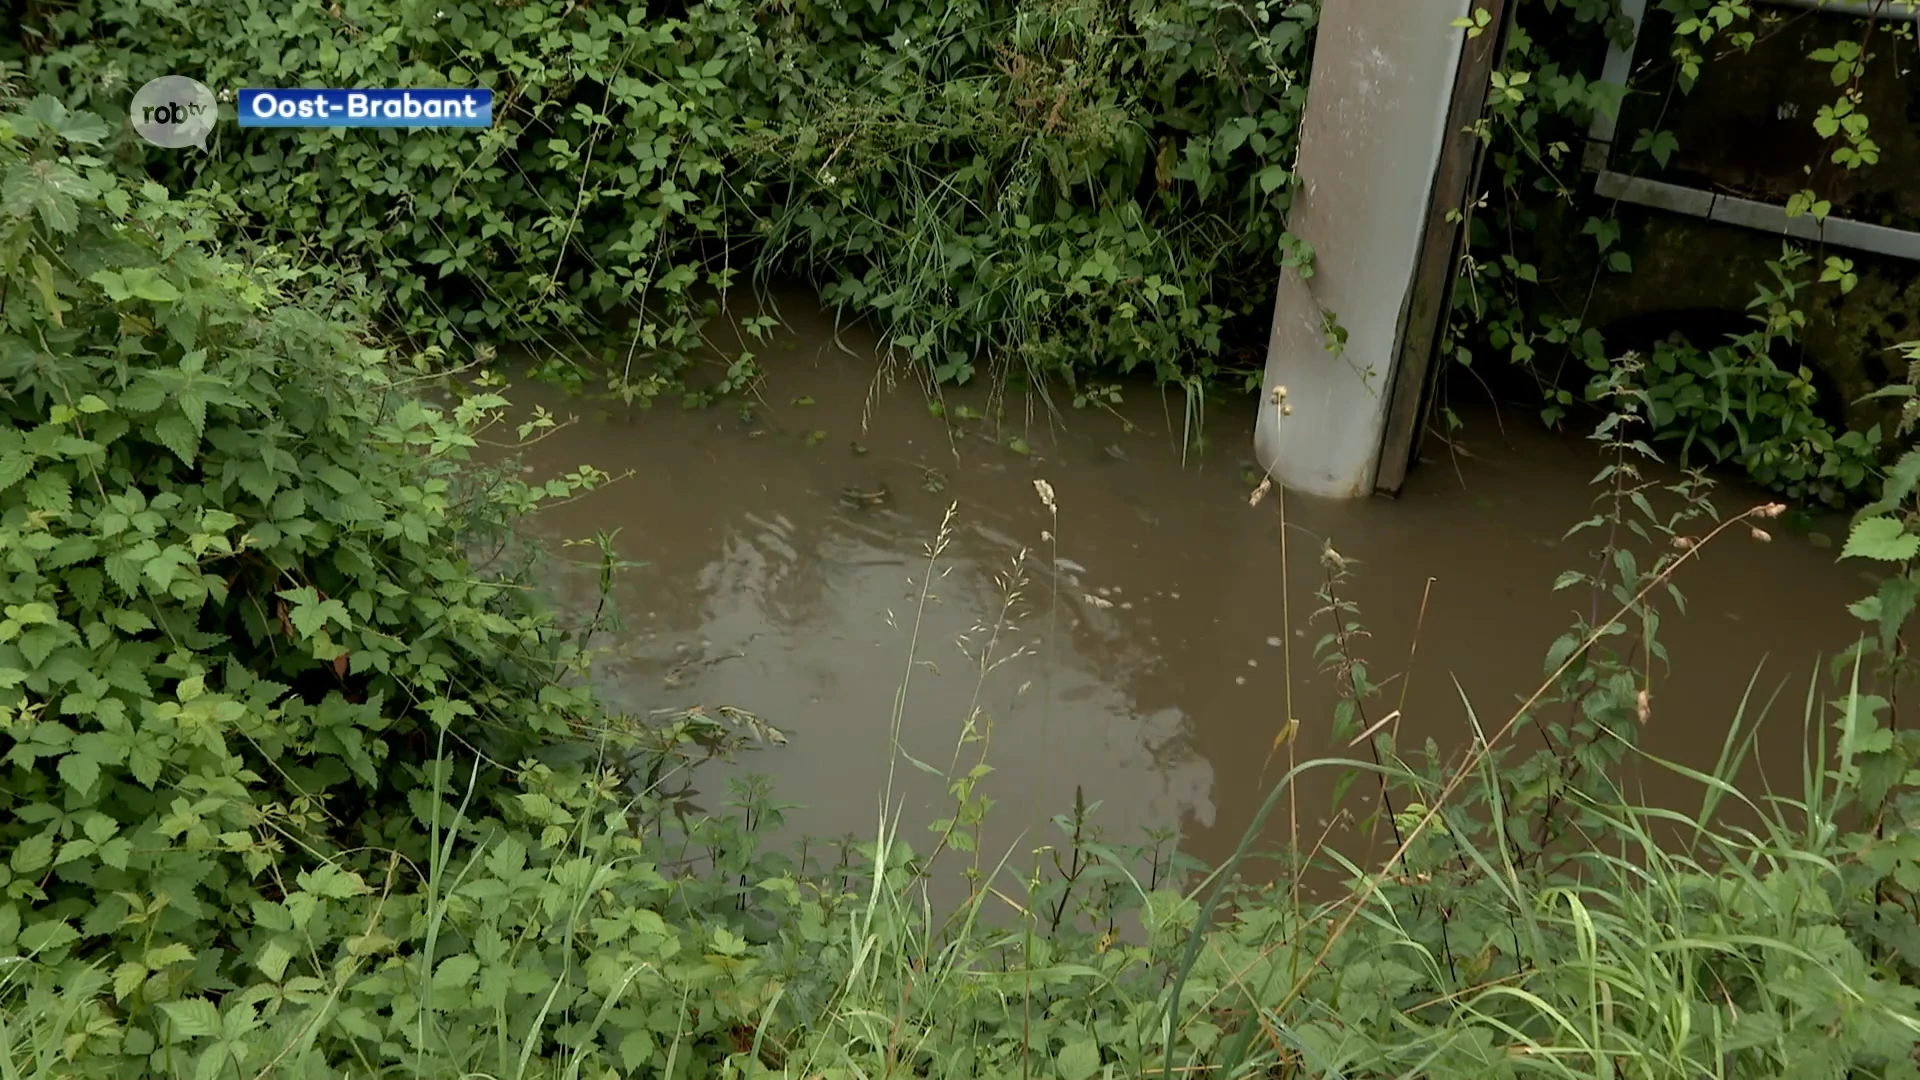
241	655
1081	187
1067	189
1071	190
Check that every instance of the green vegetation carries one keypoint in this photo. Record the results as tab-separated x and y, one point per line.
1070	189
1738	401
298	779
1060	192
292	788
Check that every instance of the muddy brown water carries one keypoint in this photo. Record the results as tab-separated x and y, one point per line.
1149	671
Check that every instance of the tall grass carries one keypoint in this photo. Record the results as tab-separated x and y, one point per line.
1473	948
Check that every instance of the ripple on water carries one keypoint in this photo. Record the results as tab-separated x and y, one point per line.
1141	691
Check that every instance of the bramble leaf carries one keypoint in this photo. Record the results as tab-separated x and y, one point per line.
1882	538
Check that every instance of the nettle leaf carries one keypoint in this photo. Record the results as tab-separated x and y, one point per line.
14	466
37	644
1891	605
1901	479
144	396
175	432
259	480
84	128
1882	538
194	406
34	614
1078	1060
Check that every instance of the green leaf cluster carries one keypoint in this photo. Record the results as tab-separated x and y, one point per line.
1074	189
1526	300
288	784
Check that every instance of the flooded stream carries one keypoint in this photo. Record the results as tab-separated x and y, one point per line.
785	556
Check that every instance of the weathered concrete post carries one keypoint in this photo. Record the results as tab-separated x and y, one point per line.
1377	118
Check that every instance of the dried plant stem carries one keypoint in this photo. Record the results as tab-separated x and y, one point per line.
1292	728
1480	752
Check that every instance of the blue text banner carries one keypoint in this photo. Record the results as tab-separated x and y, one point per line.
366	108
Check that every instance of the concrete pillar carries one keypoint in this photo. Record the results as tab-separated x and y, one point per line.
1370	144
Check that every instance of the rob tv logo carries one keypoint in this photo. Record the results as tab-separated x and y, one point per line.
174	111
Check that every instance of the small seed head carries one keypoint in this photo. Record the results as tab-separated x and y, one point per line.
1279	394
1286	409
1761	535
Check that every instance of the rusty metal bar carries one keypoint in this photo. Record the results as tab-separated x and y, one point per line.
1423	321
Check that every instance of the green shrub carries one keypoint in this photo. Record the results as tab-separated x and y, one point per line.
1524	292
1082	187
259	713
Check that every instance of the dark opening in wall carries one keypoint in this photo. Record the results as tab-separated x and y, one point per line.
1746	128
